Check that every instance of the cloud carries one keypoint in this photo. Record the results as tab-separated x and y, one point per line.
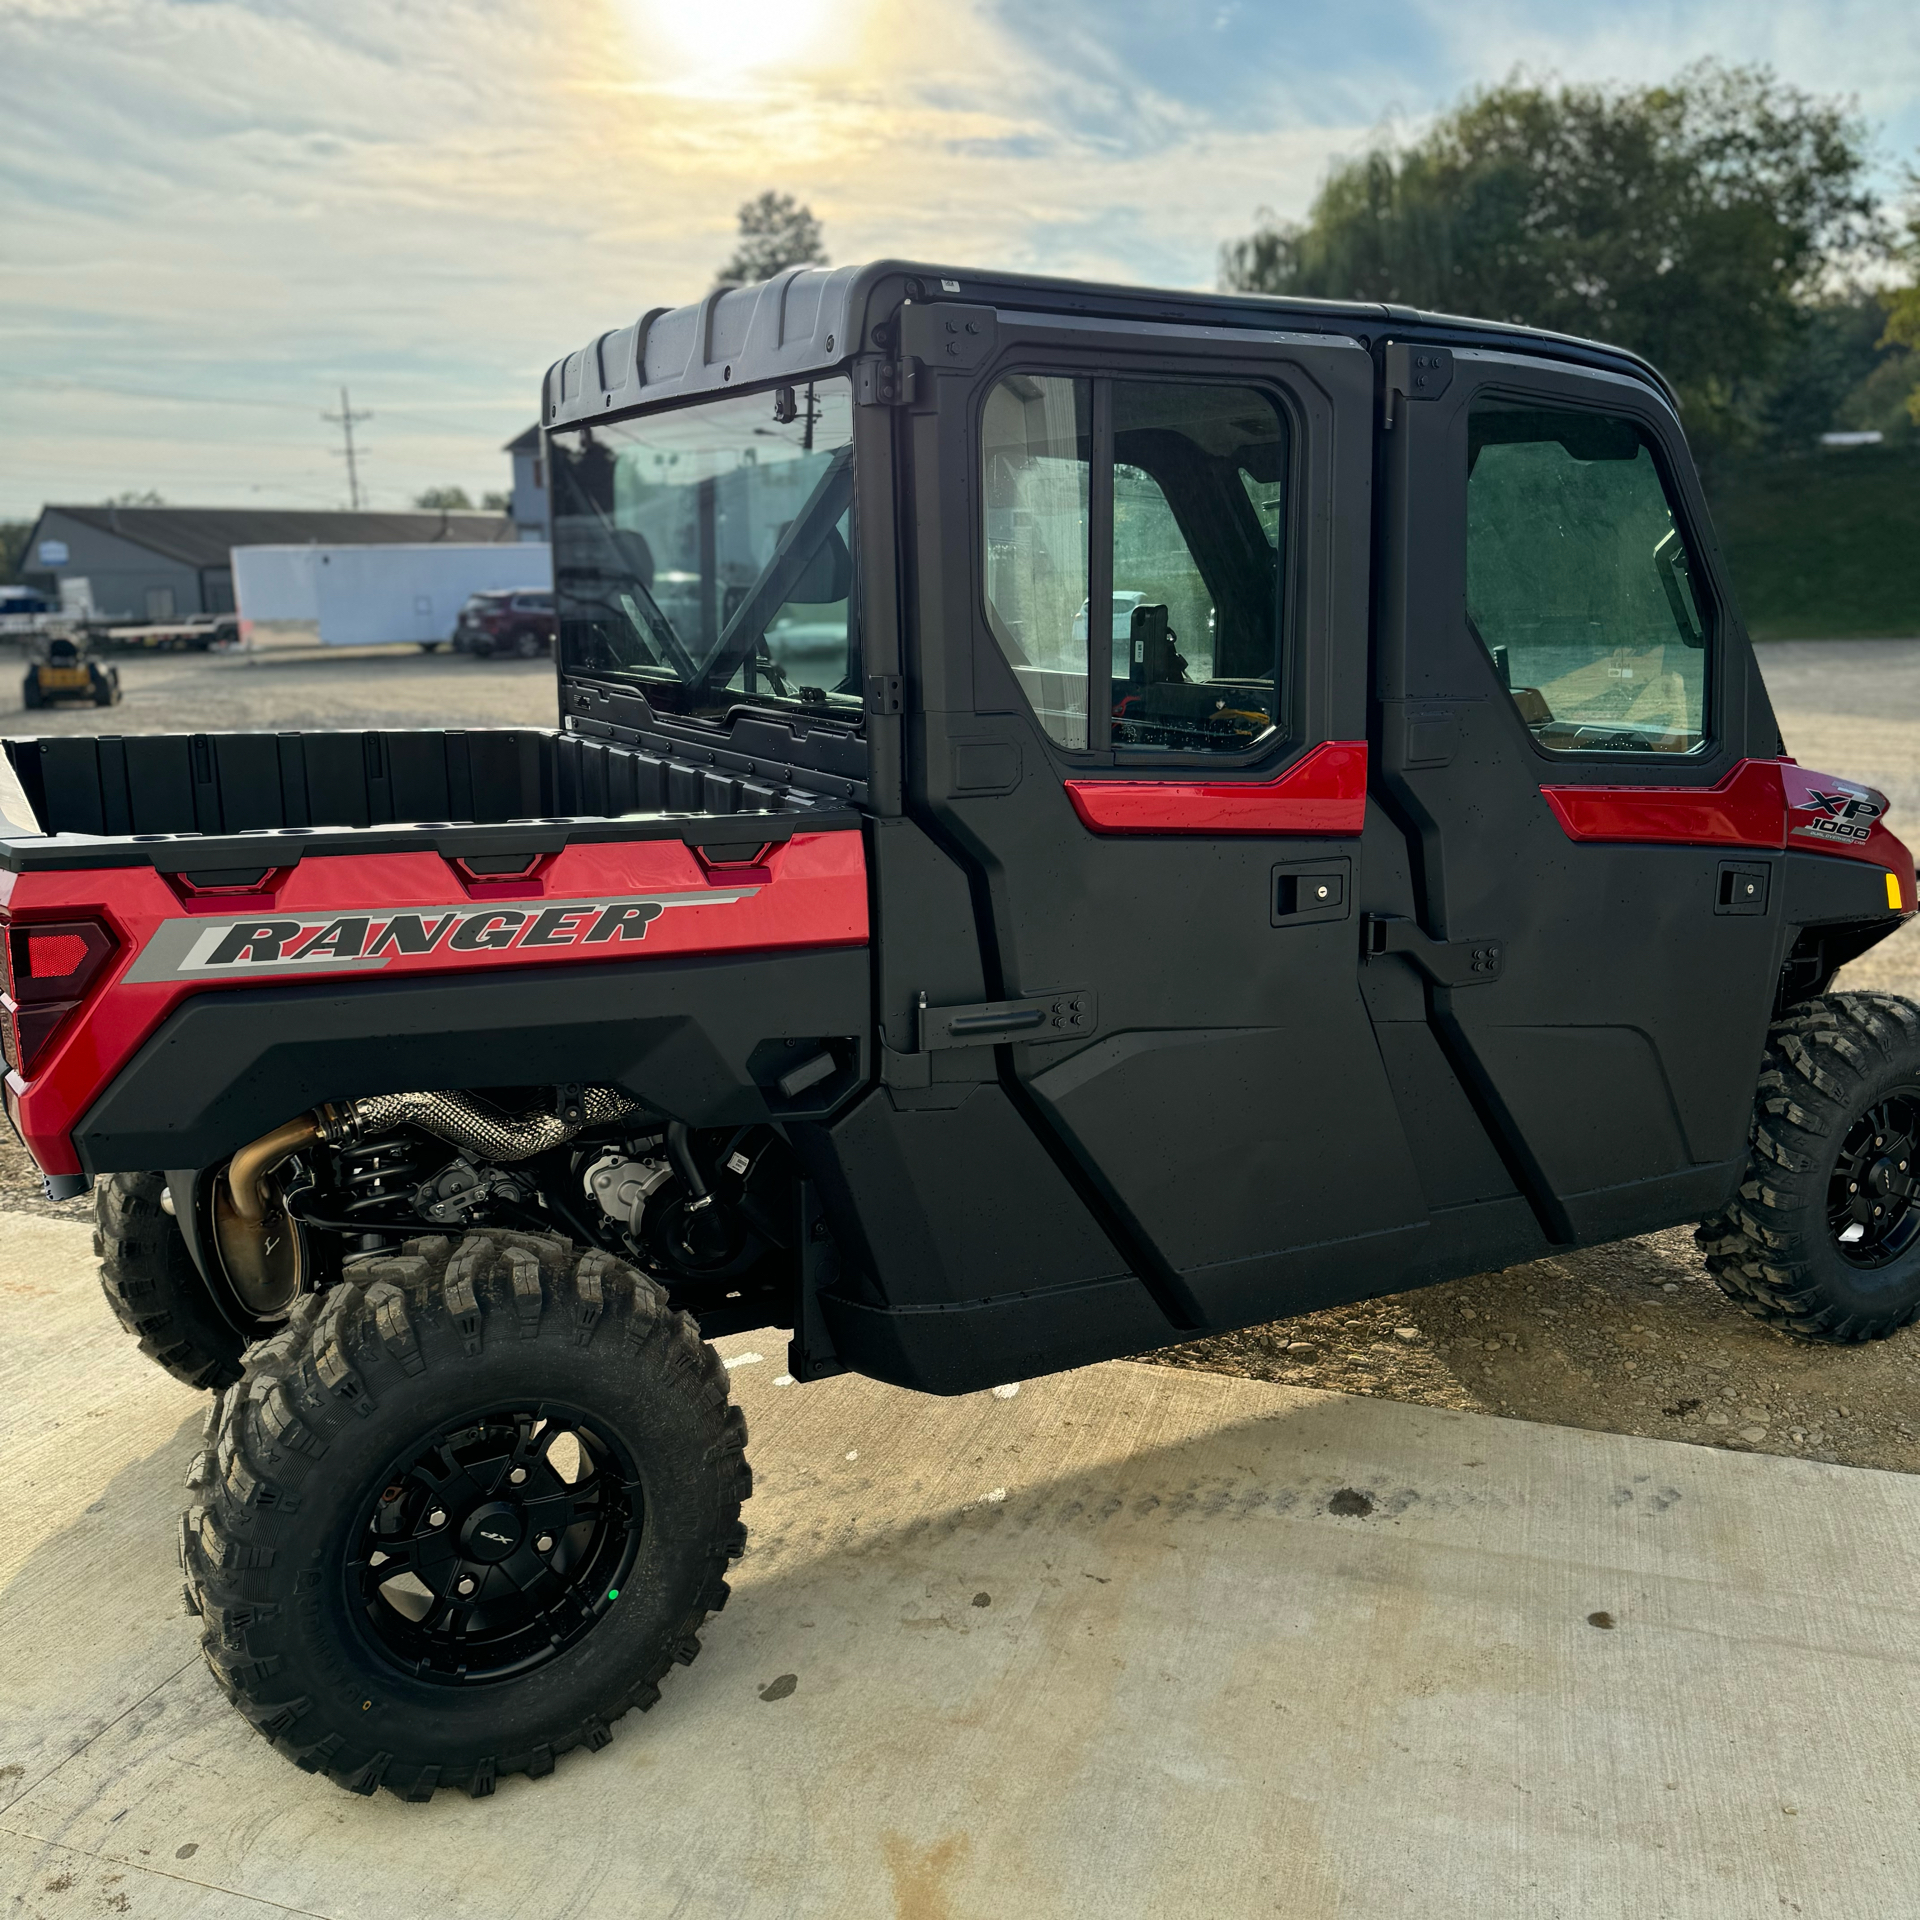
220	210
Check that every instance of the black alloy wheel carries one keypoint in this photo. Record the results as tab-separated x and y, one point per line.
1871	1199
466	1509
1822	1236
496	1546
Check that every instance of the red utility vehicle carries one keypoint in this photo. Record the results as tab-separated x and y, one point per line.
1399	876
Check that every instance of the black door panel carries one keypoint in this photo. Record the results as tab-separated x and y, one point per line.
1612	1058
1216	1119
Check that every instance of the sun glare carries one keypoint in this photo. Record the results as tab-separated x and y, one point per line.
747	36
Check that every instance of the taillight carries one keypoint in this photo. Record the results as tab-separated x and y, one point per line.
50	966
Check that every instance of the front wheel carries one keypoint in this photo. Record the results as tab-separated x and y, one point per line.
463	1513
1823	1236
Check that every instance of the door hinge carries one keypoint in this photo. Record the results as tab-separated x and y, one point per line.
1070	1014
883	693
1447	963
884	383
1415	373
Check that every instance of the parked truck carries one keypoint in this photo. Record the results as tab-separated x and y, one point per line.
1419	885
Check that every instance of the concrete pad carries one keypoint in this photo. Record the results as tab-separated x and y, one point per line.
1133	1641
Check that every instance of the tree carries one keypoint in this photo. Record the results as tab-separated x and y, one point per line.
13	548
1691	222
445	499
495	502
775	232
1902	377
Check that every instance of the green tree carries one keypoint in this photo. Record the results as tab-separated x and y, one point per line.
1902	381
445	499
495	502
1691	222
776	232
13	549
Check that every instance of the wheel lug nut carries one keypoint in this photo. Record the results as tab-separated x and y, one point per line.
465	1585
437	1518
544	1544
517	1475
1853	1186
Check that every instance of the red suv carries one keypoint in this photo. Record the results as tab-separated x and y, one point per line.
520	623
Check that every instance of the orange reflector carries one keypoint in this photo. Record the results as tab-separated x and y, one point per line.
53	956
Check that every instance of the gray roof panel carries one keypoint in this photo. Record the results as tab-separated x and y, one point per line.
808	319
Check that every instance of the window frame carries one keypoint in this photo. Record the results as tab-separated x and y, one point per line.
1710	594
1288	574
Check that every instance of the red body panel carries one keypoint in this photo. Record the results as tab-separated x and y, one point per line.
1761	803
628	900
1325	793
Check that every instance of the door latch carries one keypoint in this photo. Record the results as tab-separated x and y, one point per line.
1447	963
1069	1015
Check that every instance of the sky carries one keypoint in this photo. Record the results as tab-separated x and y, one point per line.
216	213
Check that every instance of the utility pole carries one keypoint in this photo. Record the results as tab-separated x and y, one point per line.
344	420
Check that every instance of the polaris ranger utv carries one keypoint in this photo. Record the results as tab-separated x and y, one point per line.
1078	817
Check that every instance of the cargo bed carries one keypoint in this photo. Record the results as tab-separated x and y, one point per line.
181	802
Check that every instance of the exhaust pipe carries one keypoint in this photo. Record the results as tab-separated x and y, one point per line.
464	1122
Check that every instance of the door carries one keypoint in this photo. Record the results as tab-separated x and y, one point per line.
1555	621
1139	699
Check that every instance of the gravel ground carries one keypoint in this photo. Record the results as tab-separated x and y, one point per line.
1630	1338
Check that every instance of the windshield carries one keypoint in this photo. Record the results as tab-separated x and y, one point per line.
707	554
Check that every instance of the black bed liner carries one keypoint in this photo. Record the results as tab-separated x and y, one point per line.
181	802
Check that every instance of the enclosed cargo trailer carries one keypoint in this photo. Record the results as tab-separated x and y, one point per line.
372	596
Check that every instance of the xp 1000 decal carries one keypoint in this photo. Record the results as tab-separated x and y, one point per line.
263	943
1821	807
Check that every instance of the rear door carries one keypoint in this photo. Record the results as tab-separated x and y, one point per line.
1139	723
1568	701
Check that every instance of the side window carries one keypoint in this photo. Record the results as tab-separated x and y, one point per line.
1186	660
1578	582
1037	449
1196	601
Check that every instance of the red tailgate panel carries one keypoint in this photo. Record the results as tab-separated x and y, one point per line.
384	915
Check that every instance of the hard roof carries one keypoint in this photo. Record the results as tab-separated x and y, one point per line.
202	536
810	318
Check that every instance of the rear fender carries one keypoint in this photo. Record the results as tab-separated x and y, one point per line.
705	1040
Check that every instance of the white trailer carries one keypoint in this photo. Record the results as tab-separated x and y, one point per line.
381	596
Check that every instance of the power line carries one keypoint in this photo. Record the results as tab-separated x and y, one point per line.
345	419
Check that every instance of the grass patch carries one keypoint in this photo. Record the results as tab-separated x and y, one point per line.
1823	546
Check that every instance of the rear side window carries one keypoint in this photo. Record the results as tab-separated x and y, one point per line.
1579	584
1162	502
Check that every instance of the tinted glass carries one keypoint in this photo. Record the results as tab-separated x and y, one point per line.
707	554
1579	584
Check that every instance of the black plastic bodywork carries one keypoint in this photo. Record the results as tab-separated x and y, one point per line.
1268	1111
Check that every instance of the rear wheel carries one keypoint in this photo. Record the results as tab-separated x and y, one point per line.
465	1511
155	1290
1823	1236
529	645
30	692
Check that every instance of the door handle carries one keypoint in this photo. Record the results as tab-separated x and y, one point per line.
1447	963
1068	1015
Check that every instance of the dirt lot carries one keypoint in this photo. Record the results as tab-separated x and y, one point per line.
1631	1338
